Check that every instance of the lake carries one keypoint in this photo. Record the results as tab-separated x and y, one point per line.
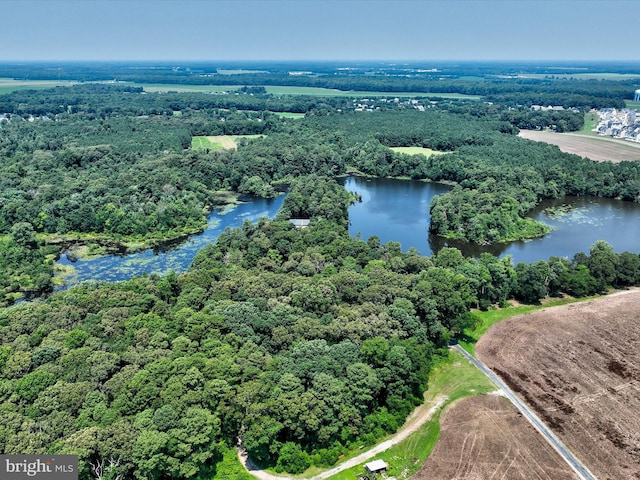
398	210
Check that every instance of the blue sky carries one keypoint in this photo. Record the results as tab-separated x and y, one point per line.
319	30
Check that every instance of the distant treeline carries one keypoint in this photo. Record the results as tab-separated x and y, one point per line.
102	100
476	81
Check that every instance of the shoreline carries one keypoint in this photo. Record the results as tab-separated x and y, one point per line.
91	245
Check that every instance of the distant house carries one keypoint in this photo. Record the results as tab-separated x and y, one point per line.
300	222
376	467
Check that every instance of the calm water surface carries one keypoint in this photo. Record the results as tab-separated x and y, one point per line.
393	210
398	210
178	257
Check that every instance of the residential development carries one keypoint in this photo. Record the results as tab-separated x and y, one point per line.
619	123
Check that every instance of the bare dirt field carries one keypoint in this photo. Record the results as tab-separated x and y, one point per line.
578	367
485	437
599	149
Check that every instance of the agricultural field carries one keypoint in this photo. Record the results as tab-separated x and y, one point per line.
578	367
218	142
292	90
8	85
600	149
486	437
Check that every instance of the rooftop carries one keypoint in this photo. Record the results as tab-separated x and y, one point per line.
376	465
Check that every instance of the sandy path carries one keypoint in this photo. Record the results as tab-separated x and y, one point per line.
418	418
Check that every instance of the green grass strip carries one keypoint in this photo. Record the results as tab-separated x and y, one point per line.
289	115
632	104
591	120
453	377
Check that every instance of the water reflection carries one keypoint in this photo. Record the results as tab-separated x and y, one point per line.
398	210
393	210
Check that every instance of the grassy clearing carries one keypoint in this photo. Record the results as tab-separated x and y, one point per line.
203	143
632	104
454	377
591	120
289	115
218	142
427	152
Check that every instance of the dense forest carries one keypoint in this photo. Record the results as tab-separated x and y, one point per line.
301	343
74	158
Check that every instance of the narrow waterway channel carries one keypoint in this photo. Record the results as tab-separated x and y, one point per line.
176	257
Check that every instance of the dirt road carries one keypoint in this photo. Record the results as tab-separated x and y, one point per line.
418	418
575	464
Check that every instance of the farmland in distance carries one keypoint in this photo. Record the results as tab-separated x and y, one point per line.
599	149
8	85
301	90
578	367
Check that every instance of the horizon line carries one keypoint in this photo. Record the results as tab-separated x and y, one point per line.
321	60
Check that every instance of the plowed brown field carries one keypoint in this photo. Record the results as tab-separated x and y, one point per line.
578	367
485	437
600	149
